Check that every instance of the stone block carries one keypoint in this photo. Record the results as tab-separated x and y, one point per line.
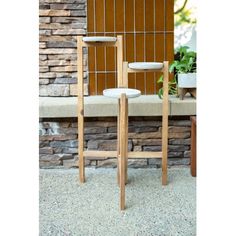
56	38
55	157
59	137
65	81
57	51
71	56
69	130
178	161
62	44
111	162
147	142
106	136
78	13
70	150
145	129
63	69
180	141
54	13
61	62
68	143
69	32
148	135
47	75
105	145
50	164
187	154
178	148
44	20
137	148
43	57
45	32
43	69
64	6
42	45
46	150
69	19
152	148
95	130
44	81
180	122
137	163
54	90
71	163
175	154
43	144
179	135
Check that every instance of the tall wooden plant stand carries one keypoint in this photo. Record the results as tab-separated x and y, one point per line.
154	67
82	42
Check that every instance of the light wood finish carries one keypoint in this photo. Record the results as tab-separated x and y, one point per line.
118	144
165	112
148	155
126	141
119	59
80	107
193	146
123	147
131	155
80	44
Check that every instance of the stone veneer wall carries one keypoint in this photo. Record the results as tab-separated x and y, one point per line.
60	21
58	140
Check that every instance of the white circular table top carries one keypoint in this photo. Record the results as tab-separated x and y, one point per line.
146	65
116	92
99	39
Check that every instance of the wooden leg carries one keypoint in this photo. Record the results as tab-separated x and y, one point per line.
81	149
118	143
80	109
193	147
123	149
165	112
126	141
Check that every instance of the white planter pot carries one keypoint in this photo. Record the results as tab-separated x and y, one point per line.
187	80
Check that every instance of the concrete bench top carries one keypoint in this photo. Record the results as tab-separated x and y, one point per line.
100	106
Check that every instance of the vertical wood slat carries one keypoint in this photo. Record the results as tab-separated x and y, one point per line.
130	57
140	82
150	88
91	50
160	15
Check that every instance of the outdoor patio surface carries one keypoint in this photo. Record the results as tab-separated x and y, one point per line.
68	208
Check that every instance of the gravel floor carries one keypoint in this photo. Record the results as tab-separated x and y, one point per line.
67	208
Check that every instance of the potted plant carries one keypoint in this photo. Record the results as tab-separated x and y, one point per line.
184	68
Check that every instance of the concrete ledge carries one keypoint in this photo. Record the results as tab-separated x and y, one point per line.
100	106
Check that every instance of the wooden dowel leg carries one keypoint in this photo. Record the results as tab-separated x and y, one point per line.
123	149
118	143
126	141
80	108
165	112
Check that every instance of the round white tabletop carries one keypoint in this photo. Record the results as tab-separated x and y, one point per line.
146	65
94	39
116	92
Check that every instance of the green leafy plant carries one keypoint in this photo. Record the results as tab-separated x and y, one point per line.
185	62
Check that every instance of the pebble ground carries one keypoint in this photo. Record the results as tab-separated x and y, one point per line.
92	209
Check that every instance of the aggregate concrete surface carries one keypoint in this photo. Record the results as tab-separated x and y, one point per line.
68	208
